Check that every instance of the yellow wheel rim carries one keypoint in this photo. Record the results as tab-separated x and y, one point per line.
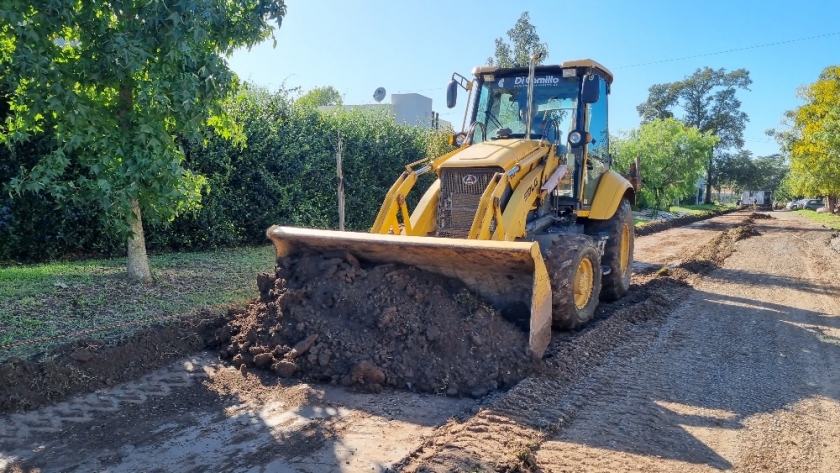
584	279
624	256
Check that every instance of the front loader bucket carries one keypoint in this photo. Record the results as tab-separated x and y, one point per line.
502	272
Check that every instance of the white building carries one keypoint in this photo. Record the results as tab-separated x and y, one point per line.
409	109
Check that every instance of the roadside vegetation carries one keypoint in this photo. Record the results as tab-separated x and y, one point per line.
829	220
55	299
810	137
700	209
692	210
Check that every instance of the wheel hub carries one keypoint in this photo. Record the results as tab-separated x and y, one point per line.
624	255
584	280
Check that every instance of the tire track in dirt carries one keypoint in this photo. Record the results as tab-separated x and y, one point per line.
206	416
732	381
504	435
80	409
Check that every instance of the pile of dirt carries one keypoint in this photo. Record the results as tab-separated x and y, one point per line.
331	319
760	216
86	365
656	226
711	255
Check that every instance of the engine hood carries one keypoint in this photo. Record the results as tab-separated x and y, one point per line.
496	153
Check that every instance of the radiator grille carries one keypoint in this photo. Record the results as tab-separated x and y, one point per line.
460	193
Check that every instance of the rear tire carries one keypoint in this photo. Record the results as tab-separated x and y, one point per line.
618	252
574	268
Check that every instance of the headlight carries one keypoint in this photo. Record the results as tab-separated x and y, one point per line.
459	139
575	137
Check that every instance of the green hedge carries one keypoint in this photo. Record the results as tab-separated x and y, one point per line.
285	174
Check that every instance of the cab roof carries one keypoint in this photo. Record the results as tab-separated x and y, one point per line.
584	63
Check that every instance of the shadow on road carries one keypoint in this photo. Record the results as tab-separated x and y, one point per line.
222	421
769	358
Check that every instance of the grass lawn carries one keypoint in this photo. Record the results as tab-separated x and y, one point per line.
829	220
59	298
699	209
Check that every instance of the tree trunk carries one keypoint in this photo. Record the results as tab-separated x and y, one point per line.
138	262
832	201
709	179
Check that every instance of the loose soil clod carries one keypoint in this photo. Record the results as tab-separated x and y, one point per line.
331	319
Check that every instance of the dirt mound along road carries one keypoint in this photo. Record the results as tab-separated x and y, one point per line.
331	319
87	365
655	226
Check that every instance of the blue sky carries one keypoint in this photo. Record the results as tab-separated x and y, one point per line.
415	46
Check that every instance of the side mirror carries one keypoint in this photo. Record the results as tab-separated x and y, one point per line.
451	93
591	89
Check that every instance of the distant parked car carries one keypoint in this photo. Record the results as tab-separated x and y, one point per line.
812	204
793	205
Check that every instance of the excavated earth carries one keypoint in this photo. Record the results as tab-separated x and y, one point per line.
655	226
89	364
85	365
332	319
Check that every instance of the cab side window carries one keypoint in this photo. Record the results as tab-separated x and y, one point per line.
598	149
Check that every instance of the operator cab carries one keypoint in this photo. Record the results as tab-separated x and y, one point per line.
568	110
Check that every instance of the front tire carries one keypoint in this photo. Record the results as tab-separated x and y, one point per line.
618	252
574	268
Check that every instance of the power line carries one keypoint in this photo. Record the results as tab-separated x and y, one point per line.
778	43
730	50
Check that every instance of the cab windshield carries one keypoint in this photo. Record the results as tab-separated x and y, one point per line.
503	109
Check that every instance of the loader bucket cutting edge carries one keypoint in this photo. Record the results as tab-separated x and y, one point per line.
502	272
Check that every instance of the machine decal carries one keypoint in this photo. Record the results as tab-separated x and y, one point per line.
531	188
523	81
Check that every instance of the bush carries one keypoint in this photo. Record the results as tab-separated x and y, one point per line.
284	174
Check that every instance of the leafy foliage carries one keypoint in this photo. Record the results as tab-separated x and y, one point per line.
743	172
113	86
710	104
283	173
813	139
321	97
525	43
672	155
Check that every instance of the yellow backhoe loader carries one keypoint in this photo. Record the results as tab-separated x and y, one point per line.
526	211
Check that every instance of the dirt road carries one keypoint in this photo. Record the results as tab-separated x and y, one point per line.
744	375
738	371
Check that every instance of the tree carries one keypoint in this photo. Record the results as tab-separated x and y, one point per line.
526	43
733	170
118	84
771	171
742	171
813	139
708	99
672	155
321	97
